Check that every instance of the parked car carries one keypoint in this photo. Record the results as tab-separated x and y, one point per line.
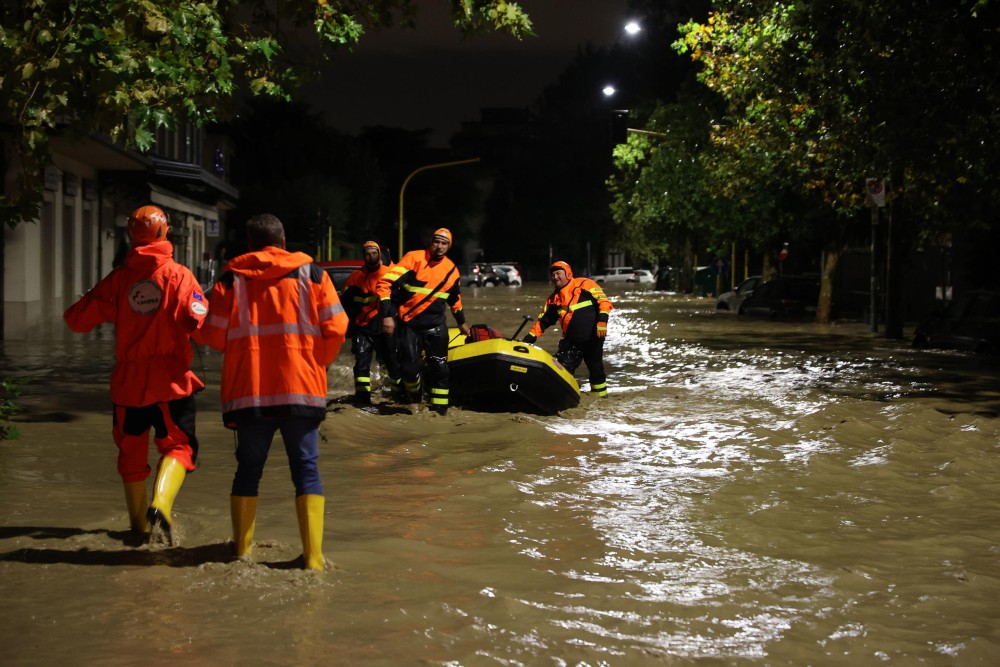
784	297
340	269
731	300
643	277
666	278
508	274
971	322
613	274
479	274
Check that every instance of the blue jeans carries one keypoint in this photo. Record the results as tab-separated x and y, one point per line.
253	441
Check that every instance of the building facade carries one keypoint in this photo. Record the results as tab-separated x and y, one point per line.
91	186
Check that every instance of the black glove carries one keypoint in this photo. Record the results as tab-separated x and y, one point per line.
528	338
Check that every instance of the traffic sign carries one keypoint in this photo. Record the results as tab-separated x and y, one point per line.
874	192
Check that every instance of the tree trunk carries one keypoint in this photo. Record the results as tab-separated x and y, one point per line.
686	282
894	251
824	308
767	268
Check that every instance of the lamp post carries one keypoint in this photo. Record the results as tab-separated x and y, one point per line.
413	173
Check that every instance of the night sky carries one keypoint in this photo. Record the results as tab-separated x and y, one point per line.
433	77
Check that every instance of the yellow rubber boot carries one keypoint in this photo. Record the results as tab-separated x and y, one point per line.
310	510
135	500
243	510
169	479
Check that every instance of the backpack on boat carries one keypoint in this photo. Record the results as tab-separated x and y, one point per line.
479	332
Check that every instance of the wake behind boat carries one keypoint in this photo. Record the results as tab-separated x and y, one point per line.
496	373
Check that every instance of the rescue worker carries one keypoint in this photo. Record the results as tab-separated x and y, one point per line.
277	318
361	302
156	305
582	309
419	290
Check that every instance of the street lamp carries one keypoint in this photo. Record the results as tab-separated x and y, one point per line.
413	173
608	90
633	28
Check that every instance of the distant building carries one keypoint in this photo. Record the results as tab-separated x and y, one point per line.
91	186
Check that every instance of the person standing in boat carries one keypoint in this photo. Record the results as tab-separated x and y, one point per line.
156	305
419	290
581	308
361	302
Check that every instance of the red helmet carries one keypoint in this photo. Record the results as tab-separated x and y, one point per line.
147	224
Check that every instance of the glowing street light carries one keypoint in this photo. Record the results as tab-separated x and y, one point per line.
633	28
608	90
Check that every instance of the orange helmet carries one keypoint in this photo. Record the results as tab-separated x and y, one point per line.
147	224
561	265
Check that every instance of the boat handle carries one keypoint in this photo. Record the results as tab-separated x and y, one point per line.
521	348
513	387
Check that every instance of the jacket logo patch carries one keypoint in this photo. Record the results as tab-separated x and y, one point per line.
144	297
198	308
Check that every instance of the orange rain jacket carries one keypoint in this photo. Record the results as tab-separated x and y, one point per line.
155	304
420	288
277	317
580	308
360	298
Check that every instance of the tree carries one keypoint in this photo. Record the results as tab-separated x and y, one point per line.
125	67
831	95
312	177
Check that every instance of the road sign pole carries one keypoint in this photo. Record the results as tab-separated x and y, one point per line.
874	272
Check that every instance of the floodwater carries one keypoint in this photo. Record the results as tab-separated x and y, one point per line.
750	493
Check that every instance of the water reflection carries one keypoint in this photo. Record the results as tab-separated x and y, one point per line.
749	493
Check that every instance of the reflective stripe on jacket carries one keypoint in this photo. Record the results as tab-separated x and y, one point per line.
578	307
360	295
155	304
280	323
421	290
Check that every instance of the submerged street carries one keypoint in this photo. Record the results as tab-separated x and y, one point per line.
750	493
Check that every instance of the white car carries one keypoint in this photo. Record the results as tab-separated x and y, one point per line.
643	277
614	274
732	300
509	275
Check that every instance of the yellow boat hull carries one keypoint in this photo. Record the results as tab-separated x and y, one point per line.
499	374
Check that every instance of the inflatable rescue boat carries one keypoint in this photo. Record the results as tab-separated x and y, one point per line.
494	373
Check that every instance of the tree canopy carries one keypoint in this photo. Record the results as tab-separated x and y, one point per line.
122	68
810	99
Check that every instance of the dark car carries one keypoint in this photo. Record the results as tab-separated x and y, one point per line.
666	279
479	274
732	300
508	274
971	322
785	297
340	269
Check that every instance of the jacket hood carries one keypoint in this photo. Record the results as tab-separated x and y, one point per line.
149	256
269	263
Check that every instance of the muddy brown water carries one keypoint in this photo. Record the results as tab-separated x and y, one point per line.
749	494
